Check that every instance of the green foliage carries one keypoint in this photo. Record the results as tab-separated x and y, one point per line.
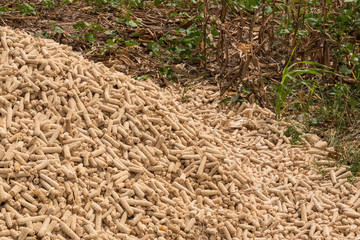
339	103
87	31
339	25
108	5
181	49
248	4
137	3
158	2
103	5
291	79
348	149
26	9
131	42
168	72
51	35
58	29
43	34
4	9
48	3
189	43
352	156
125	19
294	134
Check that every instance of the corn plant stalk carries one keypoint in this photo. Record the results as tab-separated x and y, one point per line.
284	89
203	38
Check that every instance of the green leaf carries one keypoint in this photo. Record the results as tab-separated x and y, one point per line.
153	47
185	53
142	77
166	70
283	31
131	23
236	98
108	32
311	21
314	121
58	29
4	9
80	25
90	37
97	27
344	70
131	42
110	42
26	8
303	32
214	32
227	99
181	30
353	102
157	2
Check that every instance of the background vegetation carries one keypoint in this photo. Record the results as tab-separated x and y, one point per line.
300	58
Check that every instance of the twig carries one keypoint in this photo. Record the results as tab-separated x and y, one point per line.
18	17
254	20
222	47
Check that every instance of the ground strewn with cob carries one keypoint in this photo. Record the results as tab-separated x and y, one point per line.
88	153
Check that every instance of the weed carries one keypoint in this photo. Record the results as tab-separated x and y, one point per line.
291	80
294	134
350	155
320	169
